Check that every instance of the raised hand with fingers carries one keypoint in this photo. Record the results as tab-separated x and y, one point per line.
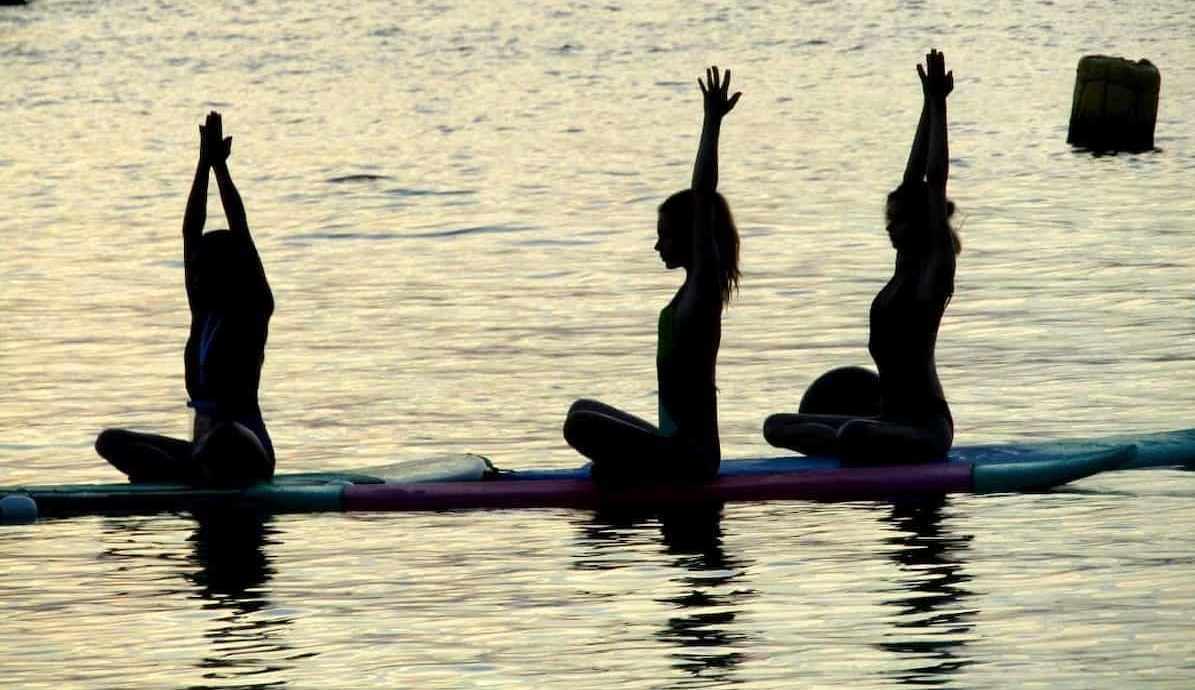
214	146
936	82
715	91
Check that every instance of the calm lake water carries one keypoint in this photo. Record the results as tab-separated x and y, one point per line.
455	203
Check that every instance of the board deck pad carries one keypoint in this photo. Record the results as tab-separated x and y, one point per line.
448	467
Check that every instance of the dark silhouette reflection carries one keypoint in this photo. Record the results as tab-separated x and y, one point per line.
933	623
700	627
233	569
229	548
605	534
706	648
228	570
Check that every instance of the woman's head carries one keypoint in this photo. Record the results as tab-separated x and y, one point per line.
907	216
224	272
674	237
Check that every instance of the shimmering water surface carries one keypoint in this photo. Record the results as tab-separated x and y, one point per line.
455	206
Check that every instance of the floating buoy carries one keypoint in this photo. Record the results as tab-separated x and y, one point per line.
1115	107
17	509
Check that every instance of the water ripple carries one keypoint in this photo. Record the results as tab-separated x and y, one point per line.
524	152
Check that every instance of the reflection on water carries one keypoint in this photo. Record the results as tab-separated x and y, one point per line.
229	548
932	624
709	587
232	574
208	589
456	257
707	645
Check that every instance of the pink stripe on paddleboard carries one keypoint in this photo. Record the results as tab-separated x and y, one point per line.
857	483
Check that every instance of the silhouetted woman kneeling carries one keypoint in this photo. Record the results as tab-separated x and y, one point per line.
231	305
900	415
695	231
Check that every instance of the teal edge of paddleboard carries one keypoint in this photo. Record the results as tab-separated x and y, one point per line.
134	498
1161	449
315	498
303	492
1034	476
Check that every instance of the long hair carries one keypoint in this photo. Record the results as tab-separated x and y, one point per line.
678	210
910	202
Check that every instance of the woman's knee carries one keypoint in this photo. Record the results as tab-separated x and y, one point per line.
579	425
231	454
568	428
584	415
584	405
791	431
856	430
773	428
109	442
870	441
856	442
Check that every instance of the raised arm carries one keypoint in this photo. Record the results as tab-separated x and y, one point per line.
219	148
915	168
717	105
193	221
937	84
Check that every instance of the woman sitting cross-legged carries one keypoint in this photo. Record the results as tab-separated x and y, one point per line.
901	415
231	305
695	232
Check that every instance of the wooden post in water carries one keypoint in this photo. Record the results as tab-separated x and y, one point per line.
1115	107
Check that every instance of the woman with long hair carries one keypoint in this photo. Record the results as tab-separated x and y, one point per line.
231	305
899	415
696	232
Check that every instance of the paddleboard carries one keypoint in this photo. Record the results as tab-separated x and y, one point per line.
834	484
470	482
1160	449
